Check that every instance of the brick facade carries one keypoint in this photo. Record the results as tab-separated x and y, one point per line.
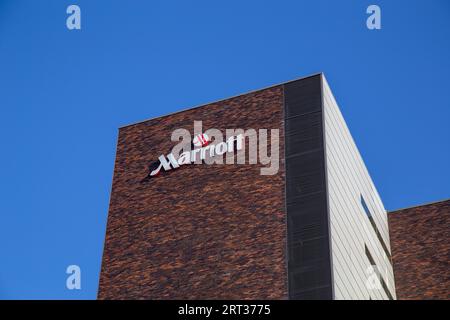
421	251
163	242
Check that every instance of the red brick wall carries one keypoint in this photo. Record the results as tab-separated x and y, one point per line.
200	231
420	241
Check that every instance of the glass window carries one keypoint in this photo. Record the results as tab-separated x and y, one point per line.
383	283
374	226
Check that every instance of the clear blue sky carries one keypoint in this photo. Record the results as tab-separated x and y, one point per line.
63	95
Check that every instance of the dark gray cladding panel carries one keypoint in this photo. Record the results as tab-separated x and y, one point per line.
306	174
304	133
304	96
308	243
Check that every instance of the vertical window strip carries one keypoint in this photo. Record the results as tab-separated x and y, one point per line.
377	232
383	283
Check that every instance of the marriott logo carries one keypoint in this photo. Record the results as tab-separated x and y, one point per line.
189	157
211	147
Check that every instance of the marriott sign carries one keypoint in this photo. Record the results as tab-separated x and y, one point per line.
202	149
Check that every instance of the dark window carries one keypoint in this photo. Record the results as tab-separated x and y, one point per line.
366	209
383	283
374	226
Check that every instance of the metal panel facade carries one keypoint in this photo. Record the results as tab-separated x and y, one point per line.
351	230
309	268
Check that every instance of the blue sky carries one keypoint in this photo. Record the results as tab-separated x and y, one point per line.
63	95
